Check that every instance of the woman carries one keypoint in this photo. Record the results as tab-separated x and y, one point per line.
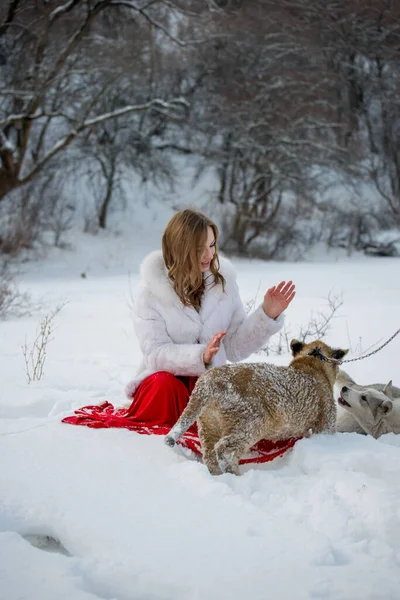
188	317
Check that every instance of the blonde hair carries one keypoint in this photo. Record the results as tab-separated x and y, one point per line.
182	244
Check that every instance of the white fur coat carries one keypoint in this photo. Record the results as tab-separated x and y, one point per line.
173	337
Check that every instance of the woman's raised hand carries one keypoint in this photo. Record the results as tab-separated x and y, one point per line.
213	347
278	298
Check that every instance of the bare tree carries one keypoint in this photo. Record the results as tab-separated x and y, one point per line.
361	44
57	66
268	120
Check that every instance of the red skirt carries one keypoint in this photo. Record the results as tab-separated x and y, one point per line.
157	405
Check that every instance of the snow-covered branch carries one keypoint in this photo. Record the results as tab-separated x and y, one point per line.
157	104
11	119
60	10
16	93
5	144
163	106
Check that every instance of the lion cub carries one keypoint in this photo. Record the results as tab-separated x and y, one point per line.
238	405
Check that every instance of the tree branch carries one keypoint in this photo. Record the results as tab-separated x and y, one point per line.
140	10
181	149
12	9
65	141
11	119
61	10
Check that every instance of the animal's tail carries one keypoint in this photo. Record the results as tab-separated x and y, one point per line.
343	378
188	417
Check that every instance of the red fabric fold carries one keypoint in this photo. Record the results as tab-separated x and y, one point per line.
156	406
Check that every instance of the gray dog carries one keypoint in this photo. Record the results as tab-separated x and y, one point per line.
370	409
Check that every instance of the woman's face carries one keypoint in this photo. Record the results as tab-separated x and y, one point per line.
208	251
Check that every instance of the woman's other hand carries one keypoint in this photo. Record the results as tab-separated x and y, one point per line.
278	298
213	347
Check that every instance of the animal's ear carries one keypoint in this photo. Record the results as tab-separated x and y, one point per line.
296	346
338	353
386	407
388	389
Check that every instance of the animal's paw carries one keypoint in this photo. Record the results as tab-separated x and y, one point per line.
169	440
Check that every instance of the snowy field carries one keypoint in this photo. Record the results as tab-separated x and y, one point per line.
135	520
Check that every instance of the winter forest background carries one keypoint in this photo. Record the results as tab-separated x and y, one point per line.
289	110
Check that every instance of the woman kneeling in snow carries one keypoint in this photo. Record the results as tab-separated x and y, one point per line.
188	317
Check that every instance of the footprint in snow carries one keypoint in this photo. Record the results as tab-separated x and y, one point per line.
46	543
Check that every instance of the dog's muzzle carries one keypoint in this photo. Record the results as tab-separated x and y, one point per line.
343	402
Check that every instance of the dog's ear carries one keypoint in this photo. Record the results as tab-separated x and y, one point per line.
377	406
386	407
296	346
388	389
338	353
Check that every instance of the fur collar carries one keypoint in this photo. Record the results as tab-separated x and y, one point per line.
154	275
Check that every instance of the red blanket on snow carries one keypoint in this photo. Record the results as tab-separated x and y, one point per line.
105	415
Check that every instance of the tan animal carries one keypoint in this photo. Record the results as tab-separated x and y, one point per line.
238	405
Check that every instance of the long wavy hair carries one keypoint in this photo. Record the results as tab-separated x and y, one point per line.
183	243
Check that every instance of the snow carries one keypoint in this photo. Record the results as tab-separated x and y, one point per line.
128	518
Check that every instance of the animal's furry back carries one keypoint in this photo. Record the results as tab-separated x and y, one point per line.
292	400
246	385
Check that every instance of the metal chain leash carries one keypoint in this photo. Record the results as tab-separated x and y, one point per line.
374	351
325	358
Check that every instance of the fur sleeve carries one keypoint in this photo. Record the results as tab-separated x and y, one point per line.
160	353
248	333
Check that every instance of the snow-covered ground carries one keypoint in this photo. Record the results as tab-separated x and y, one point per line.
134	520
